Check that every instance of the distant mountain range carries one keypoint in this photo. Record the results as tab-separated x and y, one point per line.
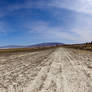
11	46
30	46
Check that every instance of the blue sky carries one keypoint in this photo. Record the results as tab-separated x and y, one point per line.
24	22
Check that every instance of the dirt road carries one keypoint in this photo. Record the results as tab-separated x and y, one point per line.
55	70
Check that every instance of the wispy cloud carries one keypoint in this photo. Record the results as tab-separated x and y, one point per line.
28	4
82	6
82	10
58	33
81	28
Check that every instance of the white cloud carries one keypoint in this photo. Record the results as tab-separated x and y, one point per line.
45	30
82	6
28	4
83	27
81	32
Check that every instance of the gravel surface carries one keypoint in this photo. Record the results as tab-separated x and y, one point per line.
54	70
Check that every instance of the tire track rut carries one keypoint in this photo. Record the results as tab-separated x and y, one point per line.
59	70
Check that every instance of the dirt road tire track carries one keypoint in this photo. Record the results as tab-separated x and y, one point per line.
59	70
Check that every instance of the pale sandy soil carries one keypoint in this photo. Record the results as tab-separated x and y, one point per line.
58	70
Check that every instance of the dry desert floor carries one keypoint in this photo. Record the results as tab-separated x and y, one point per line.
52	70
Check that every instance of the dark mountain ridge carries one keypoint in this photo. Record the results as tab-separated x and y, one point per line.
31	46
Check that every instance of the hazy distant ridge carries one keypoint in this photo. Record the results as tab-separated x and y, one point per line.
29	46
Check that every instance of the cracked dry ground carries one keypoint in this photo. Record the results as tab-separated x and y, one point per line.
53	70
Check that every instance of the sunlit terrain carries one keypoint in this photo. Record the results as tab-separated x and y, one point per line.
51	70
